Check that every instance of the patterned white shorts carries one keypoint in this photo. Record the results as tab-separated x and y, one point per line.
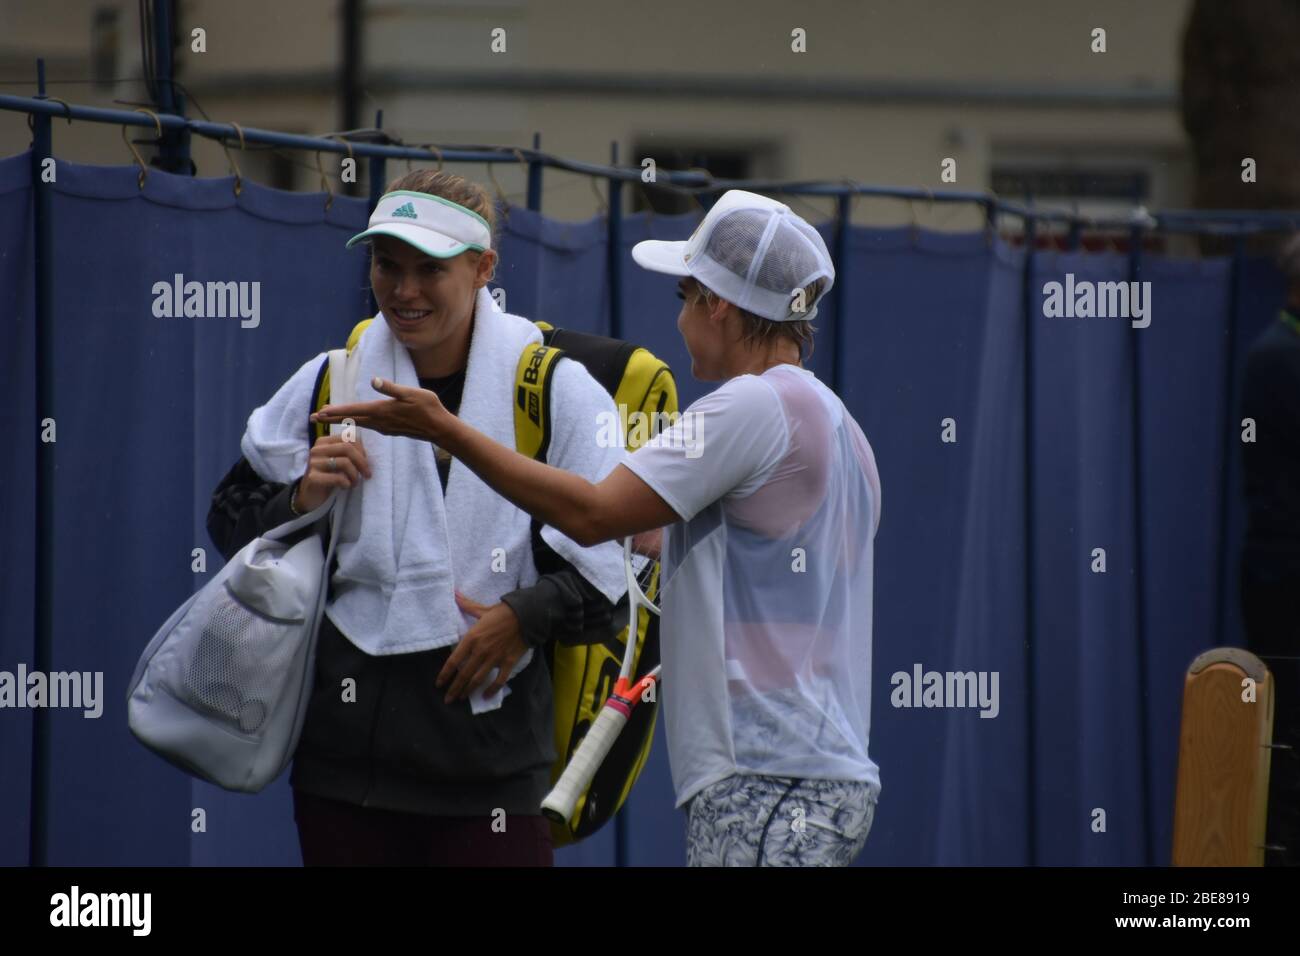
751	820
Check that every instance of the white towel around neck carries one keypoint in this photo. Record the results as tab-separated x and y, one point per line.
403	550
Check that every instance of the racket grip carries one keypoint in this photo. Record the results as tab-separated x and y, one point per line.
577	776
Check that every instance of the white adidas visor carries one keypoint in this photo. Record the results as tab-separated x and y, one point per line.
437	227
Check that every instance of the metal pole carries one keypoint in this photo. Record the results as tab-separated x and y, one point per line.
991	216
535	177
615	249
349	74
378	175
42	148
1229	456
1139	556
185	165
1029	308
614	257
173	144
378	168
843	213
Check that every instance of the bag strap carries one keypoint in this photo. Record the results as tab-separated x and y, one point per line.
344	366
533	375
321	393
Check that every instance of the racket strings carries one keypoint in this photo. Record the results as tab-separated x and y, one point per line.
646	574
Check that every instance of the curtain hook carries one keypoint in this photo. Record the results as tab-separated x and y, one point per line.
989	203
144	170
705	188
604	208
649	206
324	182
234	167
694	191
329	202
501	193
853	195
519	155
437	152
66	108
911	207
351	155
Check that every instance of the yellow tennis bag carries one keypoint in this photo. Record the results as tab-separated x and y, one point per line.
582	676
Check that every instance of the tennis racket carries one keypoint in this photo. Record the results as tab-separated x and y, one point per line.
642	570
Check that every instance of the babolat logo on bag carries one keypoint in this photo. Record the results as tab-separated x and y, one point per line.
406	211
534	364
527	398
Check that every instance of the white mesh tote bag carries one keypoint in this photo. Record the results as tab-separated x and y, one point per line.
222	689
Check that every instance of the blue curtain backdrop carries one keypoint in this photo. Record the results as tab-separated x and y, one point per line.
17	517
1133	443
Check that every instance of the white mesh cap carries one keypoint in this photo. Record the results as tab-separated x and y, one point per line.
750	250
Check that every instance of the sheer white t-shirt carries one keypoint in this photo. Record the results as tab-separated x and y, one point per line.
767	582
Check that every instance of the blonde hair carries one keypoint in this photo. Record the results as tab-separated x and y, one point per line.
758	331
454	188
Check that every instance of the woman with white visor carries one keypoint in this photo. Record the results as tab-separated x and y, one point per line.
428	739
770	499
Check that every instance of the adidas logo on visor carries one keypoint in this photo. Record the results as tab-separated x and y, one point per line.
405	211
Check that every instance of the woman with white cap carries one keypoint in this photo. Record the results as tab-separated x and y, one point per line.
770	499
415	749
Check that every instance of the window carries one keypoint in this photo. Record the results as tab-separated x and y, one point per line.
1103	181
1100	182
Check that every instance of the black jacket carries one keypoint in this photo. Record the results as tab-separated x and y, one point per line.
1271	396
392	742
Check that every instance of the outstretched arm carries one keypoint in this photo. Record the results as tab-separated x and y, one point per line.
620	505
